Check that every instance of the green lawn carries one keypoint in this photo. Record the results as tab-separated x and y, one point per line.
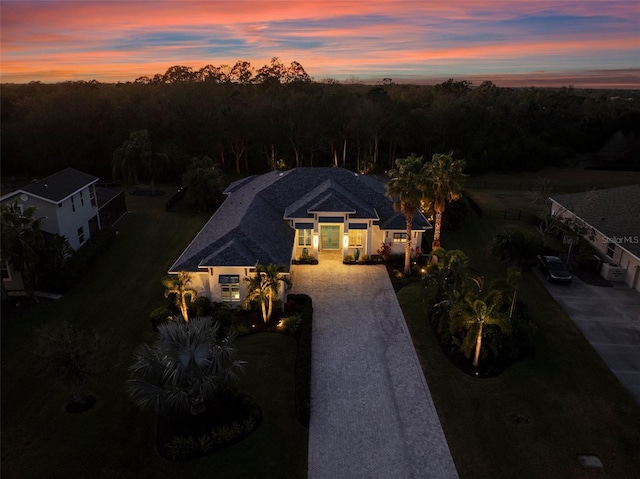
114	439
541	414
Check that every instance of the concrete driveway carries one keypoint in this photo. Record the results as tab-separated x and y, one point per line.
610	320
372	415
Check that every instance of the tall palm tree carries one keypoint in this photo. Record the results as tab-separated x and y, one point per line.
186	366
263	287
406	188
21	241
179	286
472	315
445	180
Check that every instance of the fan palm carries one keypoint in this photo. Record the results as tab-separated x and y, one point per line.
406	188
445	179
185	367
179	286
472	315
264	286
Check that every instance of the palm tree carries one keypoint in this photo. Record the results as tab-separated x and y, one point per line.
186	366
472	315
445	178
510	284
71	358
406	188
264	286
179	286
21	240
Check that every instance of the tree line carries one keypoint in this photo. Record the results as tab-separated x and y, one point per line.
249	121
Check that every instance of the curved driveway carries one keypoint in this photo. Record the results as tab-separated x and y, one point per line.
372	415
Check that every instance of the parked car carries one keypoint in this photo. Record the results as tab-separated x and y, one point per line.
554	269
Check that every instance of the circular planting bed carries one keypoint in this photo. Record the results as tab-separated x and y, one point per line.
228	419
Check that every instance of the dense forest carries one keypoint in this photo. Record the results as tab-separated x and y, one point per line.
277	117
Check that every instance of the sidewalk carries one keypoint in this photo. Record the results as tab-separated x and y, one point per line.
372	415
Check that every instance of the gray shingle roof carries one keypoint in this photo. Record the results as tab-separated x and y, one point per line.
615	212
61	185
250	226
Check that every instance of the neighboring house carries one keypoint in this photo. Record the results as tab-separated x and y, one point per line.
282	216
612	217
68	203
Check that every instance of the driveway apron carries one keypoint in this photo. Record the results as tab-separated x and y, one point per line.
609	318
372	415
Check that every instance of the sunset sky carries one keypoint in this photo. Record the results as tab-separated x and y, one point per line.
512	43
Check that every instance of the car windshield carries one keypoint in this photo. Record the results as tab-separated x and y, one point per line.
556	266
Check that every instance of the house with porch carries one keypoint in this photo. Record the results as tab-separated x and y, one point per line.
282	216
611	218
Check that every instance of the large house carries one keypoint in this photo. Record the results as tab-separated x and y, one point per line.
611	218
282	216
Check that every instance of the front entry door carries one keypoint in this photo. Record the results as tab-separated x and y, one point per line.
330	237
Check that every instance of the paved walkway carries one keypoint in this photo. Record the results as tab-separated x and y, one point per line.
372	415
610	320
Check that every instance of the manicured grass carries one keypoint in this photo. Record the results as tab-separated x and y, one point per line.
535	419
114	439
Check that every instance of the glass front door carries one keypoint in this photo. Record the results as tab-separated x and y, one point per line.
330	237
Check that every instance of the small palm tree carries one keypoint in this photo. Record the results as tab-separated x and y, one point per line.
21	241
472	315
179	286
186	366
445	179
406	188
263	287
510	285
71	358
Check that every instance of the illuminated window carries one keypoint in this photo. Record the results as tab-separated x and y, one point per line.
81	235
356	237
304	237
399	237
230	287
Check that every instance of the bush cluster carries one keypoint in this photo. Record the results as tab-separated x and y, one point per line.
183	447
75	267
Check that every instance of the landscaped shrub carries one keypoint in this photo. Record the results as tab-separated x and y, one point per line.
290	324
513	246
228	419
75	267
586	258
181	448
